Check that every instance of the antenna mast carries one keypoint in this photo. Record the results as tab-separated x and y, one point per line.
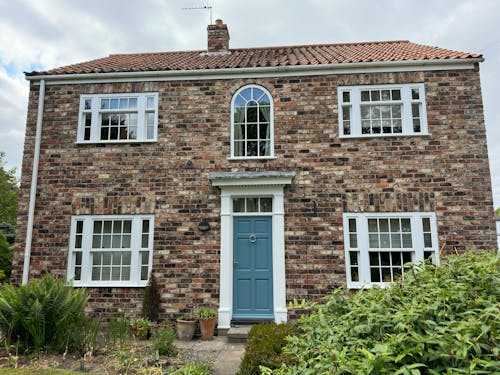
207	7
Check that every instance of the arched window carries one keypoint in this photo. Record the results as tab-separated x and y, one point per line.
252	123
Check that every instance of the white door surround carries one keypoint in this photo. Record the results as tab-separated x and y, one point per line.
251	184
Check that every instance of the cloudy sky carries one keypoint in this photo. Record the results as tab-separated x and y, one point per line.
43	34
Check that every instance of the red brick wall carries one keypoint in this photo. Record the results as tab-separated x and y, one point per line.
445	172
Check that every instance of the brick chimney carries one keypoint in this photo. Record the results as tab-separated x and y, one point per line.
218	37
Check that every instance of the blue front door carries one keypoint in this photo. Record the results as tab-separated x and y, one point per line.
252	267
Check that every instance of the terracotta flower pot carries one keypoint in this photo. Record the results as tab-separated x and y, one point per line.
207	328
185	329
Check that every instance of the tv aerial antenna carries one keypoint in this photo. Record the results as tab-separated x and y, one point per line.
204	7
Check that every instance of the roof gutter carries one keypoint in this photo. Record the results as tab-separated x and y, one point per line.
34	179
394	66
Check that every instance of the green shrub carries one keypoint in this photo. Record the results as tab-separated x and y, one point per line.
141	328
439	320
264	347
5	259
41	313
195	368
162	341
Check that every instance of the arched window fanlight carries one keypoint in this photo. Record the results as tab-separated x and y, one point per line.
252	123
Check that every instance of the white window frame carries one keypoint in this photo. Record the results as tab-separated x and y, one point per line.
271	124
406	111
417	231
96	117
135	248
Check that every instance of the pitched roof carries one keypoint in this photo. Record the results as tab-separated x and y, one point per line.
319	54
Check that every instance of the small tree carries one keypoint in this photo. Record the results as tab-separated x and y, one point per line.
151	301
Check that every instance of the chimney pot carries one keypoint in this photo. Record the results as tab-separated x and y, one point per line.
218	37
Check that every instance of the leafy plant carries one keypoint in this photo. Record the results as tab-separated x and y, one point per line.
141	327
117	332
162	341
439	320
41	313
264	347
206	312
151	300
194	368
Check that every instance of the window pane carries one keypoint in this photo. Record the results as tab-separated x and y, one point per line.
104	103
132	103
385	259
415	93
396	94
96	242
386	275
106	241
126	257
105	273
405	224
353	240
426	223
372	225
353	258
383	225
396	241
427	240
386	95
126	273
374	260
365	113
252	205
395	225
266	205
416	125
144	273
251	114
407	243
385	241
78	241
106	258
150	102
107	226
352	225
365	96
346	97
116	241
115	273
375	275
375	95
264	148
374	241
415	110
113	104
354	274
252	148
123	103
263	131
252	131
145	226
145	241
126	241
144	257
239	205
88	104
96	273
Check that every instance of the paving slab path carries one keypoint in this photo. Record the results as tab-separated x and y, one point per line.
225	356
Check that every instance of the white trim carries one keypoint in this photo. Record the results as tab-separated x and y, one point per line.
34	180
405	101
96	111
135	248
271	124
228	192
261	72
363	243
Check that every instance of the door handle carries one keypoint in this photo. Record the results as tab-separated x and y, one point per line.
235	262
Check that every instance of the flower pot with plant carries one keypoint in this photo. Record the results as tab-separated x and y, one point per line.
208	320
185	326
140	328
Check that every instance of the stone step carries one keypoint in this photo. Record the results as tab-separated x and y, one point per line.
238	333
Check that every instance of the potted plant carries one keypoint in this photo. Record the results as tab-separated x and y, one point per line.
140	328
208	319
185	327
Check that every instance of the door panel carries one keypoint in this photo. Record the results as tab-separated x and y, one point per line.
252	270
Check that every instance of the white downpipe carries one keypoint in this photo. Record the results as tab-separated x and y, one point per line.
34	179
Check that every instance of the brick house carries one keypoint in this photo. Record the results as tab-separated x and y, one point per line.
244	178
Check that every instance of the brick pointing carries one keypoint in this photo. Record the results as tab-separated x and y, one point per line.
446	172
